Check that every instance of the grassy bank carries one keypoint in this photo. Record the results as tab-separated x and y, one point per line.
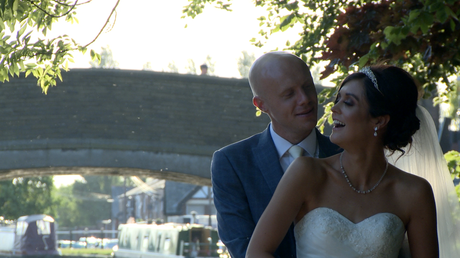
85	252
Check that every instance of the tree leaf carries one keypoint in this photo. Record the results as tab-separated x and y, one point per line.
15	5
21	31
414	14
363	60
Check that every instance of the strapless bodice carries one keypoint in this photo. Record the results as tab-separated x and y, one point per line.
323	232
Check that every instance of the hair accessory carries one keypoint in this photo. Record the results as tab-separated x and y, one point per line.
375	131
368	72
354	188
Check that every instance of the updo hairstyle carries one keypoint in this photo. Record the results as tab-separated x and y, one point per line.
397	96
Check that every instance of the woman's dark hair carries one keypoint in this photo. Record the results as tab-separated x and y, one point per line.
396	96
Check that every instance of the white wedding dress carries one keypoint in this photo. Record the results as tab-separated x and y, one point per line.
325	233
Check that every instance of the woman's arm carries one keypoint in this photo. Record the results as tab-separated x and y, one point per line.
280	213
421	228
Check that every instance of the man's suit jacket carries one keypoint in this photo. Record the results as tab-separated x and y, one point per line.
244	177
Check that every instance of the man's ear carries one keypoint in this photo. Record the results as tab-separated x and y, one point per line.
259	103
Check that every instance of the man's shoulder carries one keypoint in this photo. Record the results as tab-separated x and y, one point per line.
244	144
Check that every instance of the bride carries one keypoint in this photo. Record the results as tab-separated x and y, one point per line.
356	204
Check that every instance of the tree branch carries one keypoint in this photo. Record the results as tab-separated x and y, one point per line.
105	25
59	2
52	15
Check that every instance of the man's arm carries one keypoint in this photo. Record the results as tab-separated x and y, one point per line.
235	223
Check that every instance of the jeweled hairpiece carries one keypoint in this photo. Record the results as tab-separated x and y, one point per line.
368	72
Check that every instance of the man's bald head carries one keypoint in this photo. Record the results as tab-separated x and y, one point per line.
271	66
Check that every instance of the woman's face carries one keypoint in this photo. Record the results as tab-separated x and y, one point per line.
352	120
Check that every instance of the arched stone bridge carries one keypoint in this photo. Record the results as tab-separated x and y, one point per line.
122	122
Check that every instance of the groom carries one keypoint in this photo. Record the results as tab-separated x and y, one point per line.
245	174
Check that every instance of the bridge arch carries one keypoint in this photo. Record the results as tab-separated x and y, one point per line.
123	122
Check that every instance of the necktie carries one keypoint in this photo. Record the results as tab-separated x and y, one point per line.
296	151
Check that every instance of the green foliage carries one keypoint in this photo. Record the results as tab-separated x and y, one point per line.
453	162
92	199
85	203
211	65
26	196
173	67
66	208
196	7
327	117
420	36
244	63
23	24
191	67
147	66
103	60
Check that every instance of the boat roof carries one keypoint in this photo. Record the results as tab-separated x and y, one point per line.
30	218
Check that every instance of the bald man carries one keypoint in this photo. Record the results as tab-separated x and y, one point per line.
245	174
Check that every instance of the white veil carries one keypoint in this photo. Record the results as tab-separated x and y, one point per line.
425	159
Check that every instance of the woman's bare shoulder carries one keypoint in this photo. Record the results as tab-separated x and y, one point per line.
311	169
308	165
413	184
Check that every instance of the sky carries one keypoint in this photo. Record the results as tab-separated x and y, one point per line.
153	31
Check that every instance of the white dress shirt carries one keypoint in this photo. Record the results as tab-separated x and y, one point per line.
309	144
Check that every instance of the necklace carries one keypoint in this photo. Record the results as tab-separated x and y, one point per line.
354	188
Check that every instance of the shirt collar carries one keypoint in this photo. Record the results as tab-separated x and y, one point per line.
282	145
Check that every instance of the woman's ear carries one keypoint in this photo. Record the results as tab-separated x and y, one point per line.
382	121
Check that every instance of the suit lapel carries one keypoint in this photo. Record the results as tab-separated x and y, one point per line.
267	160
326	147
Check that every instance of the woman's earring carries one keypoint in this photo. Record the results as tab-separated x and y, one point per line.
375	131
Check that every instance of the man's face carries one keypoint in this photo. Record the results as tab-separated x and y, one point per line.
288	96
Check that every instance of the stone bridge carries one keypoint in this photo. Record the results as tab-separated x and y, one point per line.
122	122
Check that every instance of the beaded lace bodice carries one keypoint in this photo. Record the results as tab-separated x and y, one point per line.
324	232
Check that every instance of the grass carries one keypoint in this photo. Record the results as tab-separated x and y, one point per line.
85	252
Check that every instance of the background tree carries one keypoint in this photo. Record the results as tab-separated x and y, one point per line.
147	66
85	203
211	65
93	195
21	22
244	63
66	207
106	60
191	67
26	196
173	67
